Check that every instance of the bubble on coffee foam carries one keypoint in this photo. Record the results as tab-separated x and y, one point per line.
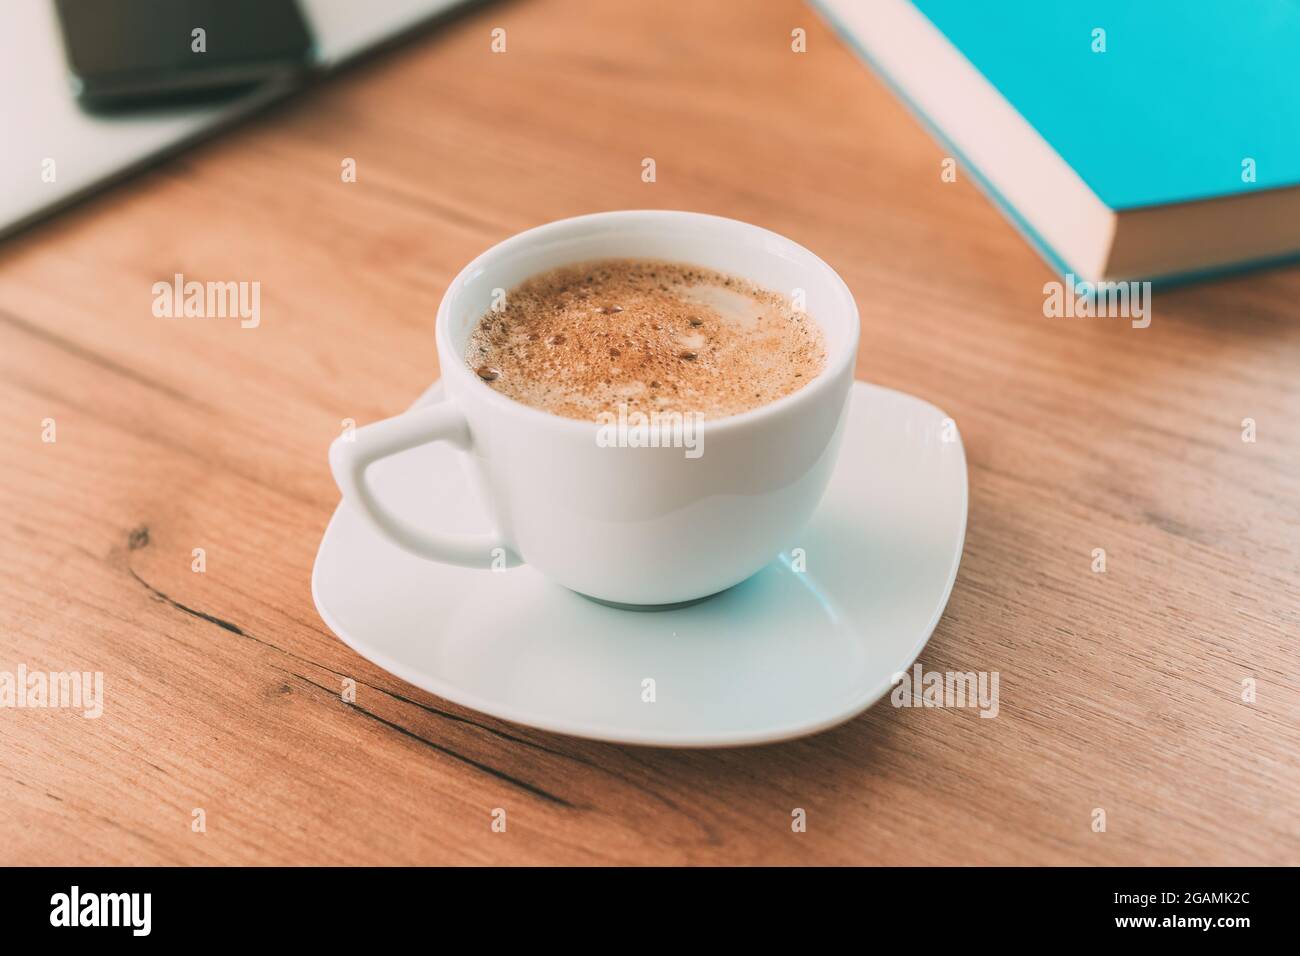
654	335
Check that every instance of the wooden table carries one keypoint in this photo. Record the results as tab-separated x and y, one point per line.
1119	690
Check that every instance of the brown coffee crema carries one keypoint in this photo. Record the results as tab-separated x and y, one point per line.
651	335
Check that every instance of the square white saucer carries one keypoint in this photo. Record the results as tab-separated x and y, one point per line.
810	641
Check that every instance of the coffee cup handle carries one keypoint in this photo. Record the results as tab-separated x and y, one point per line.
350	456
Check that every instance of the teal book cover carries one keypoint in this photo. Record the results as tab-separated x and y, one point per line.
1152	140
1150	101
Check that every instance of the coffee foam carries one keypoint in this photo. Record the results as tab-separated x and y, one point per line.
656	336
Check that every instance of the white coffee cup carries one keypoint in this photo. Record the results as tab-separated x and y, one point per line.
626	525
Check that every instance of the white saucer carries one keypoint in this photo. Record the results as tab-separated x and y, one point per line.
784	654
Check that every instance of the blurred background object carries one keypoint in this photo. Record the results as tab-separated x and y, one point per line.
130	54
56	151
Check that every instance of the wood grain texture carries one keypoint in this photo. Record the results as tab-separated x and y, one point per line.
1119	690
